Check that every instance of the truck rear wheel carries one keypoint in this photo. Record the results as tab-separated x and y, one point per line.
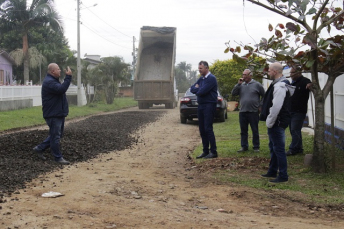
143	105
169	105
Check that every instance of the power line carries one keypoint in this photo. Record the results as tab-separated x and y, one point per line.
243	18
103	37
108	23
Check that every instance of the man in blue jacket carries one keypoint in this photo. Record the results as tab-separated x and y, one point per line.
206	91
55	109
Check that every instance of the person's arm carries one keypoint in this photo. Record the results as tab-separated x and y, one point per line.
277	103
194	88
261	92
208	84
57	88
236	90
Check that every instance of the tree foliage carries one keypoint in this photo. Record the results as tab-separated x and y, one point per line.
303	41
227	73
18	17
106	76
182	73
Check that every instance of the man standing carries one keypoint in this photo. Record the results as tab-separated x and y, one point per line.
206	91
299	102
276	113
55	109
250	93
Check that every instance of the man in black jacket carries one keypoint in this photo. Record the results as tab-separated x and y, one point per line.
55	109
299	102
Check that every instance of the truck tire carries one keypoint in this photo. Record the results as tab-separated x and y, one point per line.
183	119
143	105
169	105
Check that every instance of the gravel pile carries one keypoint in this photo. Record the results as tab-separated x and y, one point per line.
82	141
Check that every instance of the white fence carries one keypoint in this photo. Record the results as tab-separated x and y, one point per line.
34	93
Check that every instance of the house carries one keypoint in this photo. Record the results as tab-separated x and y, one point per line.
94	60
6	62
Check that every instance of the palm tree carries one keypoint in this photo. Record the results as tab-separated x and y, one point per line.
16	15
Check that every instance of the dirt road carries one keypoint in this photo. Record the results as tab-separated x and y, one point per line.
152	185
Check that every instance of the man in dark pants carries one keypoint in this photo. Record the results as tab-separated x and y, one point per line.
276	113
251	93
298	108
55	109
206	91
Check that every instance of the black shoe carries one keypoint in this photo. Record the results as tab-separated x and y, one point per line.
210	155
269	175
202	155
62	161
39	154
292	153
242	150
278	180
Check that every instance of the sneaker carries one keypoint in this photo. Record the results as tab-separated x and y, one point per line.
256	150
269	175
39	153
62	161
278	180
242	150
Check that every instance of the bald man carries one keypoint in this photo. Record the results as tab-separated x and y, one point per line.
276	113
55	109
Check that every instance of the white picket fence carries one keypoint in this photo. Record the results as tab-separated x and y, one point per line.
34	93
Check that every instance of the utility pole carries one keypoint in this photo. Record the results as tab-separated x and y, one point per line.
79	99
134	59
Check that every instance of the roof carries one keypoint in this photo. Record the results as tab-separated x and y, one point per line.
7	56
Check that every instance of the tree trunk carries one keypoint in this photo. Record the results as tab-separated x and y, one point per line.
26	58
318	162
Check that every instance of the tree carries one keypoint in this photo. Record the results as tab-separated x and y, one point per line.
227	73
108	74
182	74
16	16
313	50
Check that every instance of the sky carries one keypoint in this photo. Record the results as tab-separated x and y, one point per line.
203	27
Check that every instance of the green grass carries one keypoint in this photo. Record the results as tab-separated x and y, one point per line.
313	187
33	116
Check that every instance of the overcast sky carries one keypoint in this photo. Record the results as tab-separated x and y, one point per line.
203	27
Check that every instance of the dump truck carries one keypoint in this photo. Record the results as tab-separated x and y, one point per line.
154	81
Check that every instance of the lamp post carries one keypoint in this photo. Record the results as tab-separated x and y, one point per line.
78	63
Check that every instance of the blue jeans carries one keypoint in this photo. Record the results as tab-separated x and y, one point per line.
246	118
56	127
278	160
295	127
206	113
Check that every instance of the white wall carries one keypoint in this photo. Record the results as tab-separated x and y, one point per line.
33	92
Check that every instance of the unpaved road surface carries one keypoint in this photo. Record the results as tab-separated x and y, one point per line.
154	184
